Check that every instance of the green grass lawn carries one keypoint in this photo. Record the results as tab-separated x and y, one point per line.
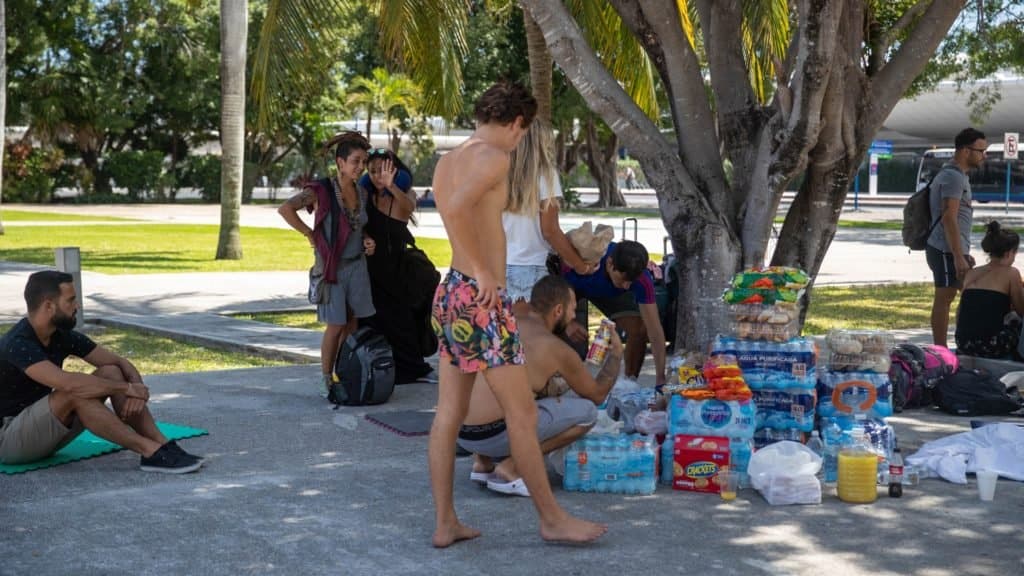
154	248
881	307
159	355
877	307
31	216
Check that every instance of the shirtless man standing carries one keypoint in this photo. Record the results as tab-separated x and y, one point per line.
473	318
561	419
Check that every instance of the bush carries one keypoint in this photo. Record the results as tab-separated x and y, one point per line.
140	171
203	174
30	173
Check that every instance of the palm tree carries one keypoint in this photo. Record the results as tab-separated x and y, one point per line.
387	93
234	23
3	95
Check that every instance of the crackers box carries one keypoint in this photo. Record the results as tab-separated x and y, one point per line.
697	460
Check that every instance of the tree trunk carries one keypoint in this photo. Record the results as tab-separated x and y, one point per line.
3	97
369	121
566	151
233	33
828	112
601	160
540	66
709	257
396	140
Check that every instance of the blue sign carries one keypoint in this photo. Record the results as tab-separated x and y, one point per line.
880	147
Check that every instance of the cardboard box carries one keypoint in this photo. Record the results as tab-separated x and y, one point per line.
697	460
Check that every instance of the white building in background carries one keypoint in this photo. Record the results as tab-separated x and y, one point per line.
934	118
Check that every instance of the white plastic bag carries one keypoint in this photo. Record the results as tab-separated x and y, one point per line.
784	473
624	385
605	424
651	423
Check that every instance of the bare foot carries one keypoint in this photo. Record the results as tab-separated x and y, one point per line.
448	535
572	529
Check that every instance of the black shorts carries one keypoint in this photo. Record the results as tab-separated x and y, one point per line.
943	267
622	306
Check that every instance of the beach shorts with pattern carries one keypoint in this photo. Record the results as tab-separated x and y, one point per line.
471	338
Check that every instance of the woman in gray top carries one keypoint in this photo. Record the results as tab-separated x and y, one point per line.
340	246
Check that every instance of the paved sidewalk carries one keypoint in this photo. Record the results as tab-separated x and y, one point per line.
292	487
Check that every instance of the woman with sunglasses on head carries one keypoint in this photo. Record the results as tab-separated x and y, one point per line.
340	246
402	278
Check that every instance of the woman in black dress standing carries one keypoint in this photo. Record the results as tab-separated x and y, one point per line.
402	279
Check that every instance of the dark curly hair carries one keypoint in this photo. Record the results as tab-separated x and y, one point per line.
346	142
503	102
999	241
630	258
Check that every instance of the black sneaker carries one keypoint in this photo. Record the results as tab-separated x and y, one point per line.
167	461
173	446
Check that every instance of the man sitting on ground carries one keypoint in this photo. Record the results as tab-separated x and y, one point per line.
560	419
43	408
623	290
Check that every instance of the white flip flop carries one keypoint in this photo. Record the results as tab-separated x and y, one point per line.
482	477
514	488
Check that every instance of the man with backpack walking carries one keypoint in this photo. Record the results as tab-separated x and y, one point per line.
949	243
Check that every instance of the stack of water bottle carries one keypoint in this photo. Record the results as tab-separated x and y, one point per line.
707	402
855	397
782	376
777	364
613	463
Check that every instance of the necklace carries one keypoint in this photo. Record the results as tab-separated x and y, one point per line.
352	214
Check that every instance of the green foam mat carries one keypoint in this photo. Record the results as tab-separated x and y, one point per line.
88	445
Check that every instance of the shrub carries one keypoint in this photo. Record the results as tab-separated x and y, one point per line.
30	172
203	174
140	171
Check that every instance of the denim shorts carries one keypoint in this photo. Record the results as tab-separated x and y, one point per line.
521	278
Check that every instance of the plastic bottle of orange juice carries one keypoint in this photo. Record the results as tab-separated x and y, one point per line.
858	473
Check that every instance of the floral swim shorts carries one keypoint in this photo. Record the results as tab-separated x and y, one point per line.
471	338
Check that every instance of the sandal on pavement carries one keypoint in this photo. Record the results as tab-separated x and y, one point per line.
514	488
483	477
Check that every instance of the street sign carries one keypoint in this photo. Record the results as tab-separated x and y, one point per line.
881	147
1011	140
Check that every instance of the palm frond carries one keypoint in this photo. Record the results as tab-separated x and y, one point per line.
298	45
429	38
619	51
766	33
687	17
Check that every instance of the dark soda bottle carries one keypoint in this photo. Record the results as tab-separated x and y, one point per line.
896	474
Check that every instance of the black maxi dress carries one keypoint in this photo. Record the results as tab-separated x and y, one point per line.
403	282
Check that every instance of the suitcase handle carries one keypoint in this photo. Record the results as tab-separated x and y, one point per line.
633	220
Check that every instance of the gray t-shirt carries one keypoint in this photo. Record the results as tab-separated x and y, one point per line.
951	182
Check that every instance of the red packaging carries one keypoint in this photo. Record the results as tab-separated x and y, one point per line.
697	460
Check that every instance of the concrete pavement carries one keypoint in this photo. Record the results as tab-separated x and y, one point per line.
293	487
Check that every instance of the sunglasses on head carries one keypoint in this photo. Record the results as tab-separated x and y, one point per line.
379	152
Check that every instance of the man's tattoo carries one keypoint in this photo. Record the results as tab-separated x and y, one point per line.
305	198
610	368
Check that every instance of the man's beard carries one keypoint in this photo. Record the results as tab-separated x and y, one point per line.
64	322
561	326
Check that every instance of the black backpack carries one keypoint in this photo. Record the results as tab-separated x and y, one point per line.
917	218
976	393
364	370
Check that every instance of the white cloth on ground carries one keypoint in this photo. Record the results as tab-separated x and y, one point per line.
998	447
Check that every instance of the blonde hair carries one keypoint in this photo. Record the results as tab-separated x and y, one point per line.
532	160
